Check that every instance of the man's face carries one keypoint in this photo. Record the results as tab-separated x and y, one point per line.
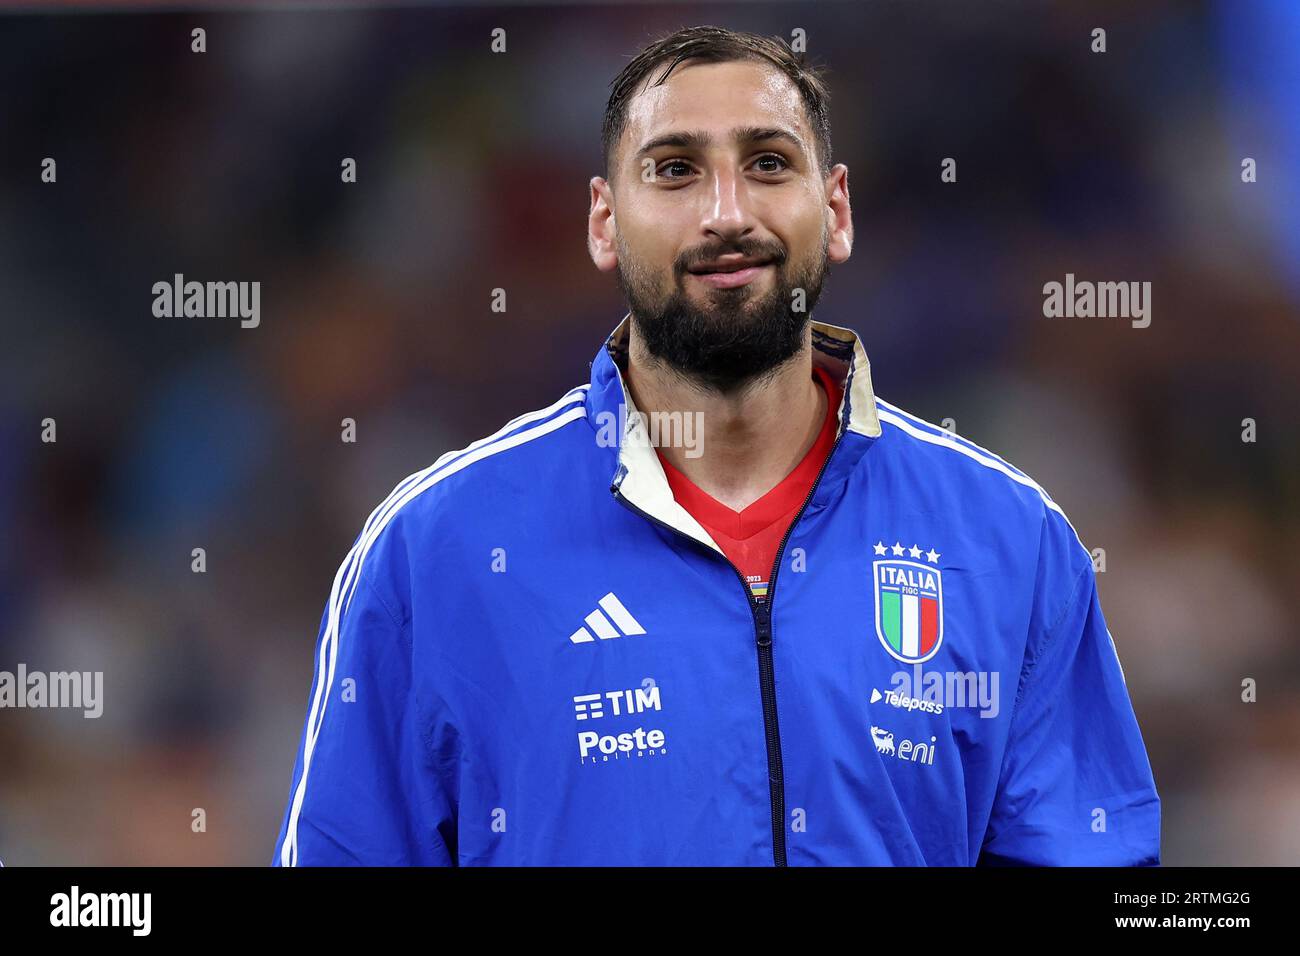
716	171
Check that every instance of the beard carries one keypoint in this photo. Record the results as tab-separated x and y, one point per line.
731	338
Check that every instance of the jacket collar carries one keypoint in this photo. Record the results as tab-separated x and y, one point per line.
639	477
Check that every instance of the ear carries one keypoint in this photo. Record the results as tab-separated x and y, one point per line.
839	214
601	243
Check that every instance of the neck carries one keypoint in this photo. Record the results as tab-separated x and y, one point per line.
747	441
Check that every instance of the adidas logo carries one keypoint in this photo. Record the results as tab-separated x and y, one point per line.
623	622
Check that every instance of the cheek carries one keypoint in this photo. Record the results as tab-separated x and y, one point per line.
804	241
664	223
795	221
651	252
807	230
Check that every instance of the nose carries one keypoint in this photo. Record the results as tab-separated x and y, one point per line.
727	215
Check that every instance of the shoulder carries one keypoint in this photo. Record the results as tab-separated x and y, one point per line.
979	480
462	487
523	446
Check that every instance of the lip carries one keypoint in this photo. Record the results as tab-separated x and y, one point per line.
731	280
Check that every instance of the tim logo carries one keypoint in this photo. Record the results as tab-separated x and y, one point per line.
909	609
616	702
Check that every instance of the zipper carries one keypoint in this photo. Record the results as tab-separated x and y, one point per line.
762	614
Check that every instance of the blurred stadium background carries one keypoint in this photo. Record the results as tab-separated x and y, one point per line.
473	169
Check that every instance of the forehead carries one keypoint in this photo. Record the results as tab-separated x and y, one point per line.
714	96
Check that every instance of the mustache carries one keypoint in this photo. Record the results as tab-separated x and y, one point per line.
694	257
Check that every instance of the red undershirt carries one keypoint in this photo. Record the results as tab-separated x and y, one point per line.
750	538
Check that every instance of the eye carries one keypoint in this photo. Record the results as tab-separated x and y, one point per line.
772	158
671	164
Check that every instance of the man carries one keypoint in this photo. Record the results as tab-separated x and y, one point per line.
800	626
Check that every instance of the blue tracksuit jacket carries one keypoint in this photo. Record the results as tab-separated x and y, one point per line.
532	655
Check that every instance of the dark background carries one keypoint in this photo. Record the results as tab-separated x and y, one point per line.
473	171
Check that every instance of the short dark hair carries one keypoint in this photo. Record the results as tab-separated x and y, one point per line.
718	45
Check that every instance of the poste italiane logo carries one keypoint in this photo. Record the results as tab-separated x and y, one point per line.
909	602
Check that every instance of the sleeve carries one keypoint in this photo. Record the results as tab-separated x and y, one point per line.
364	790
1076	787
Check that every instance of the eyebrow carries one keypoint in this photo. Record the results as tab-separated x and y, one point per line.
741	136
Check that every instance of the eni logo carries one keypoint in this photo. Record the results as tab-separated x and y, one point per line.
915	751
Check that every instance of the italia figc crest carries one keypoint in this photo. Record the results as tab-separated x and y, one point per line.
909	602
